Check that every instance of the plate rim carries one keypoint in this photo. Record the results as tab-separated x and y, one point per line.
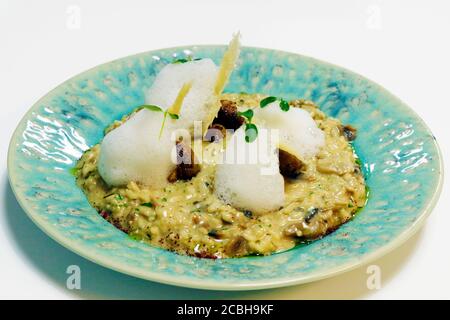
54	234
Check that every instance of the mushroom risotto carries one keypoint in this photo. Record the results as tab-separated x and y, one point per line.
181	192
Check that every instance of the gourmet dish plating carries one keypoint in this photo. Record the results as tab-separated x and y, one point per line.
218	175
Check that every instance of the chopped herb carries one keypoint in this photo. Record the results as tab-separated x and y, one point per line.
74	171
264	102
119	197
251	132
147	204
212	233
136	237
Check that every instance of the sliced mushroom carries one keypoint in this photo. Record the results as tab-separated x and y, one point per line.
228	115
290	165
215	133
348	131
187	166
237	247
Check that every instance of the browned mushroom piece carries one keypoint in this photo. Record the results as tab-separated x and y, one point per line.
290	166
237	247
187	166
228	115
215	133
348	131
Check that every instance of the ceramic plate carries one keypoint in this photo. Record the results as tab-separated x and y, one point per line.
401	160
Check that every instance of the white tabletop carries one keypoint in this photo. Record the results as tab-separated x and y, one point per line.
403	45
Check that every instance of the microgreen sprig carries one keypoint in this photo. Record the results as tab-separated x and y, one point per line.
174	110
166	113
251	130
184	60
284	105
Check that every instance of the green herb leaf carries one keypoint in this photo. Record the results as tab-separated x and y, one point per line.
248	114
251	132
73	171
264	102
147	204
119	197
173	116
152	108
284	105
184	60
181	60
162	125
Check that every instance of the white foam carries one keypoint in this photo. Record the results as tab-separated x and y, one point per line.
135	152
248	177
298	131
202	73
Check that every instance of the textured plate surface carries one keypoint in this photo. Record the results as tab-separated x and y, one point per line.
400	156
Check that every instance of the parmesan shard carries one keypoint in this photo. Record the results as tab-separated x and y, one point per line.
227	66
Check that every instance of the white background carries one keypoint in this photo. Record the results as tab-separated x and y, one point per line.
403	45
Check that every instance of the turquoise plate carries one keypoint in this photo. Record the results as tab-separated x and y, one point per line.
401	161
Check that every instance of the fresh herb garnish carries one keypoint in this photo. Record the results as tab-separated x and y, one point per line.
174	110
74	171
181	60
135	236
152	107
212	233
173	116
264	102
284	105
147	204
251	132
159	109
119	197
184	60
247	114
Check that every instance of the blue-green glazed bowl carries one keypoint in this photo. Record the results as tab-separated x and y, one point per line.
401	161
